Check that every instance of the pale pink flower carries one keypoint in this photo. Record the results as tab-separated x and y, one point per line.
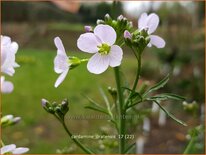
127	35
6	86
101	44
150	23
12	149
8	51
61	63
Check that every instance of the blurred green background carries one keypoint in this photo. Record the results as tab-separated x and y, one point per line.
33	25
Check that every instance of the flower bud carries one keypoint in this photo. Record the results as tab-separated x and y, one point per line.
127	35
107	17
64	106
88	28
99	21
47	106
120	17
113	92
9	120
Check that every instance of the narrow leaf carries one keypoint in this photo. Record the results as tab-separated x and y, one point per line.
170	115
166	96
159	85
96	109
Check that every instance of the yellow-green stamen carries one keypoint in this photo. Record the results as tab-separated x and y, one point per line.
104	49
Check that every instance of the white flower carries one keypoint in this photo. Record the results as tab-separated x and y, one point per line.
61	63
101	42
8	51
6	86
150	23
7	149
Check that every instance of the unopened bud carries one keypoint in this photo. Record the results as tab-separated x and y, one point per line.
120	17
107	17
99	21
88	28
44	102
127	35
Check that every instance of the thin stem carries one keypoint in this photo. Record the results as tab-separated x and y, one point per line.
76	141
2	143
120	111
84	60
189	146
136	78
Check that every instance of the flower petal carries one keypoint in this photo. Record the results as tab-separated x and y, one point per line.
3	56
115	54
60	63
98	63
157	41
88	42
20	150
14	47
59	45
6	86
106	34
5	40
61	78
142	22
152	22
7	148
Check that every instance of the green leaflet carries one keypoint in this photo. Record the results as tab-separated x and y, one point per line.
95	106
159	85
170	115
166	96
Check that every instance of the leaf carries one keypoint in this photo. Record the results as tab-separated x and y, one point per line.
159	85
171	115
130	148
166	96
133	93
96	109
106	101
95	106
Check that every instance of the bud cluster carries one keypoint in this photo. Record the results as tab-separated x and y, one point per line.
137	40
9	120
56	109
120	24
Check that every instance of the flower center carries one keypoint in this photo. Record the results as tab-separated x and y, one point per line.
104	49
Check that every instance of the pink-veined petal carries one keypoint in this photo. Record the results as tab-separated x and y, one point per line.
115	54
157	41
7	148
106	34
61	78
88	42
59	45
20	150
98	63
60	63
152	22
142	22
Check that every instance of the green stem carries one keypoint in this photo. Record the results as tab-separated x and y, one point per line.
120	111
2	143
70	135
189	146
76	141
136	79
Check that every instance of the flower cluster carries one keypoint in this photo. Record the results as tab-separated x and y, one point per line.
105	41
8	51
